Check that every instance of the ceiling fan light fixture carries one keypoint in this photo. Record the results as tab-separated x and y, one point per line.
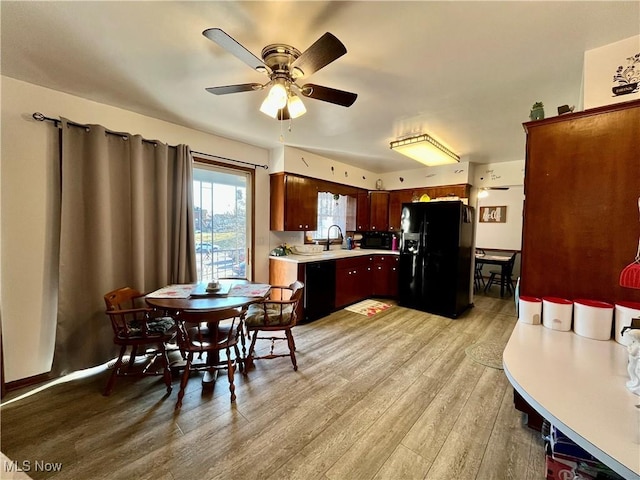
425	149
296	107
278	94
269	108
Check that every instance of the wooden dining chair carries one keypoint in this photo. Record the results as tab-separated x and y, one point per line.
208	332
277	313
143	331
495	276
478	277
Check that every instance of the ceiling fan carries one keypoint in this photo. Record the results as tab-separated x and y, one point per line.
285	65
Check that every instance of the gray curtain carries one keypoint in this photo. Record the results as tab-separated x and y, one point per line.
126	220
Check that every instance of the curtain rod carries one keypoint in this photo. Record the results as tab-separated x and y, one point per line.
42	118
254	165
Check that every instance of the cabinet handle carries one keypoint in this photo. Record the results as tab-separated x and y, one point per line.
299	226
373	228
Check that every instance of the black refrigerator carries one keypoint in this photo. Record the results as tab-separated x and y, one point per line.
436	257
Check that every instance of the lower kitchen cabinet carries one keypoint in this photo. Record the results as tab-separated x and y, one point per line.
384	275
334	284
353	281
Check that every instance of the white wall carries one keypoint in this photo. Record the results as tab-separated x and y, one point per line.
29	152
498	174
316	166
452	174
600	66
502	236
507	236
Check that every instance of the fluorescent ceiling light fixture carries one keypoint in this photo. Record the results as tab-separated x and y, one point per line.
425	149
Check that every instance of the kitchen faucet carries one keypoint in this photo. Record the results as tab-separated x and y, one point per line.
329	238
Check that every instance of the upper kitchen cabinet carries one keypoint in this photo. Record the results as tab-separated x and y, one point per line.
378	211
362	212
581	185
398	197
294	203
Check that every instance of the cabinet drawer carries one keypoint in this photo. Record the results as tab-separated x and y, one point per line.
356	262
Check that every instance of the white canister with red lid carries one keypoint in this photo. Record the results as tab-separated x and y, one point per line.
529	310
625	312
592	319
556	313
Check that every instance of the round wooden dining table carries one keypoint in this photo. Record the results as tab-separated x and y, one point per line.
202	300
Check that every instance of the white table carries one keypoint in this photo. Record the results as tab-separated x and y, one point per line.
578	384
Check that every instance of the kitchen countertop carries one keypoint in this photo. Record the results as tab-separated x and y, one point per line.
333	255
579	385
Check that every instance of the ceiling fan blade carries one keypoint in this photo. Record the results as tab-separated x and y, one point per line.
233	47
324	51
243	87
326	94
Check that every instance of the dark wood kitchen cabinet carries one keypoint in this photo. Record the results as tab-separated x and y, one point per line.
379	211
353	282
294	203
362	212
384	276
398	197
581	184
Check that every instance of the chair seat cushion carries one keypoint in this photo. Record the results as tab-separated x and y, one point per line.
160	326
276	315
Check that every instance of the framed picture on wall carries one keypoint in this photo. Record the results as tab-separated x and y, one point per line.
493	214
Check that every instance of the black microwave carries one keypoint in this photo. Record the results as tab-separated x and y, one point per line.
377	240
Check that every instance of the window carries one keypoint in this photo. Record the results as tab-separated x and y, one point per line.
333	209
221	197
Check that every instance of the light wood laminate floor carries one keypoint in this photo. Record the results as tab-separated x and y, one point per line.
392	397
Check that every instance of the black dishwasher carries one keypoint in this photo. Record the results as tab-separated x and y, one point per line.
319	289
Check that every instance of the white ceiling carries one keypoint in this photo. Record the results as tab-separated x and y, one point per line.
466	72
